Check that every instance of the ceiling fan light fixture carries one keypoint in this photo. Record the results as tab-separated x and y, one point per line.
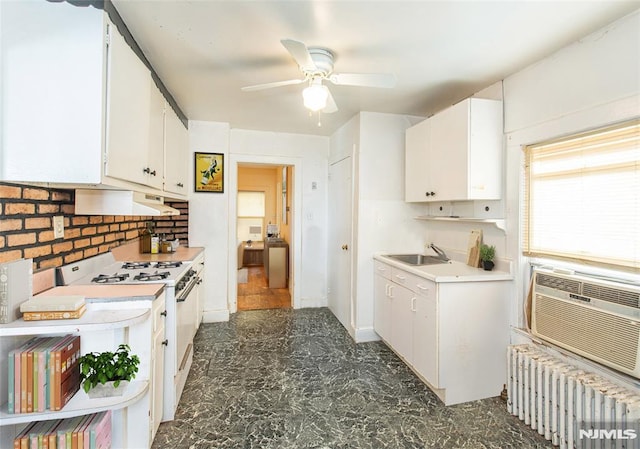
315	97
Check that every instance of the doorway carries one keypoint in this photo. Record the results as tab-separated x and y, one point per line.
263	235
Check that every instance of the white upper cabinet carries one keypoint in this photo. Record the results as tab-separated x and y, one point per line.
128	120
52	110
79	107
417	166
154	168
456	155
176	144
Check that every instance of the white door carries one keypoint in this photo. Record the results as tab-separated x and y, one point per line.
340	223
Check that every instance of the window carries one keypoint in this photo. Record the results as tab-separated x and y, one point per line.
582	198
251	212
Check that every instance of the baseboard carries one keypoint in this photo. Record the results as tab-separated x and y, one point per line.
311	303
365	334
215	316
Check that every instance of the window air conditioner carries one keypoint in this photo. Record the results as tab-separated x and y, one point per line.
598	319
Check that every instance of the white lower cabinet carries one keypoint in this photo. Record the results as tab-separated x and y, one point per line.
453	335
157	373
382	305
401	321
425	333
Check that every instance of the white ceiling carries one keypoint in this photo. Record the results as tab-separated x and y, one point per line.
440	51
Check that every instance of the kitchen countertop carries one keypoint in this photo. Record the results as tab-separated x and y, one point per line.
108	293
131	253
452	271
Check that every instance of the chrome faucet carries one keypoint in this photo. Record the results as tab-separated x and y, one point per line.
441	254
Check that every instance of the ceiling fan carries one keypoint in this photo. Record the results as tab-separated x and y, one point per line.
316	64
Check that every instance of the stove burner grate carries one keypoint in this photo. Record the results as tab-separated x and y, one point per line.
167	264
157	276
110	278
135	265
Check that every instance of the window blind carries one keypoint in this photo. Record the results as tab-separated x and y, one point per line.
582	198
251	204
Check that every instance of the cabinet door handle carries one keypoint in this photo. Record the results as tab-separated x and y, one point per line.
391	291
146	170
386	289
413	304
153	173
382	269
165	343
163	313
345	247
180	184
402	278
426	289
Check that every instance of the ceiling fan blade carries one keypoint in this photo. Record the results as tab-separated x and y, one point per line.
301	54
385	80
331	106
270	85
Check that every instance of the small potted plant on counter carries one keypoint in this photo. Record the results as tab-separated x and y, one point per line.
108	373
487	254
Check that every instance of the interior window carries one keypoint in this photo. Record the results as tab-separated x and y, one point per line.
582	198
251	212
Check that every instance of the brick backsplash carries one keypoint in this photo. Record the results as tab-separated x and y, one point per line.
26	227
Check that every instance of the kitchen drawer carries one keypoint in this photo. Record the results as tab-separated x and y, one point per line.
415	283
382	269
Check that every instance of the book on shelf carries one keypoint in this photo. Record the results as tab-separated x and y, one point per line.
100	431
77	437
65	433
43	374
53	304
36	385
25	376
14	384
54	315
91	431
68	365
54	372
21	441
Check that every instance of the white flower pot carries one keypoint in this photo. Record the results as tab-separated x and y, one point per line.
108	390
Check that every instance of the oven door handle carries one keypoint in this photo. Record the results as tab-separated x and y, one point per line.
183	296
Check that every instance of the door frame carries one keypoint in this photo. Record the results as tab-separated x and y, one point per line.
295	245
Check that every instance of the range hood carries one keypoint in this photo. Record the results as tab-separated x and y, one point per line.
120	202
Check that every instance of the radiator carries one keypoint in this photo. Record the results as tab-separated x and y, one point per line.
570	407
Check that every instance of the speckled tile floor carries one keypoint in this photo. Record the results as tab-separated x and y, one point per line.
294	379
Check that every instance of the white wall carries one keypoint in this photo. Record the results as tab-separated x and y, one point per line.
591	83
378	200
385	222
212	216
209	218
309	155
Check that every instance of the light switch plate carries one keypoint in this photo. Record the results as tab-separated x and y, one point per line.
58	227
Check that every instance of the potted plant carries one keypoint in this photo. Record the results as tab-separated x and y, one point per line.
487	254
108	373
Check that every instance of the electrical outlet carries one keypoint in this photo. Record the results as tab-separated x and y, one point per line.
58	227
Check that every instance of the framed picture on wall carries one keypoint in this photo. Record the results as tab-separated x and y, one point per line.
209	172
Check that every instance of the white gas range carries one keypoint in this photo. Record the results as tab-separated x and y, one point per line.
180	280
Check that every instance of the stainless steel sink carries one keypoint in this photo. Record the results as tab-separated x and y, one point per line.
417	259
